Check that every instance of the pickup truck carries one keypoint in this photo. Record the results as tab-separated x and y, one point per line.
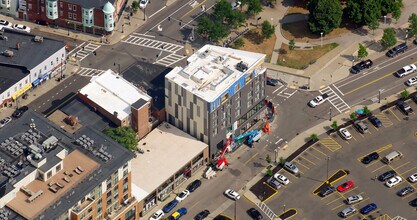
404	107
366	64
318	100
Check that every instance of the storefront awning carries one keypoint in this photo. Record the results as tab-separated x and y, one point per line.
36	82
22	90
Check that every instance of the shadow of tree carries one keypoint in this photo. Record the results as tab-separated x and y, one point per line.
254	36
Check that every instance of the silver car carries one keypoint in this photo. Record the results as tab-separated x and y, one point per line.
291	167
354	199
347	211
5	121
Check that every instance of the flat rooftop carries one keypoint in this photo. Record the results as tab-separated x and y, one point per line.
167	149
30	53
212	70
10	75
113	93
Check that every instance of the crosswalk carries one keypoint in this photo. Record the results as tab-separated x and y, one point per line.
89	72
83	50
138	40
335	99
170	59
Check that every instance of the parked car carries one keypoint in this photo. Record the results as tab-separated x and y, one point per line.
346	186
183	195
345	133
232	194
327	191
157	215
202	215
412	81
194	185
368	208
404	107
235	5
5	121
143	3
366	64
254	214
170	206
19	112
274	183
413	178
362	128
413	202
281	178
5	24
21	27
370	157
400	48
178	214
405	191
387	175
375	121
271	82
393	181
347	211
354	199
291	167
414	98
406	70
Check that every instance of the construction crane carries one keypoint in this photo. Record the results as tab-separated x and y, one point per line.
252	136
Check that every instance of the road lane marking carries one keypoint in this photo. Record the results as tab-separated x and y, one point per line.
394	114
157	12
277	89
193	9
251	158
369	83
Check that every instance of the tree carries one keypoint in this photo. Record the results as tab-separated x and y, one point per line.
135	6
239	43
388	39
354	11
324	16
222	10
314	137
254	7
282	160
334	125
269	171
291	44
373	25
267	29
362	52
412	28
204	26
363	11
404	94
125	136
218	32
353	116
366	111
235	18
396	11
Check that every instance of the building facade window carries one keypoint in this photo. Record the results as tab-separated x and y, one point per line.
69	7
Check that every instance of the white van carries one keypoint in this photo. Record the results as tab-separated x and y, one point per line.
392	156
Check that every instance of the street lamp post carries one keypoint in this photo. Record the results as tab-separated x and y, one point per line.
283	207
330	113
406	36
68	28
144	13
353	61
379	95
321	39
276	154
385	19
327	159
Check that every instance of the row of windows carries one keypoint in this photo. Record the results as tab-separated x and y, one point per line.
72	15
71	7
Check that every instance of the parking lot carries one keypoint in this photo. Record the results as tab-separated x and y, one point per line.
332	153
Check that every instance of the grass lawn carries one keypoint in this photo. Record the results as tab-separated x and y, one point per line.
301	59
254	42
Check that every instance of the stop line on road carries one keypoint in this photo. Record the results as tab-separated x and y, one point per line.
335	99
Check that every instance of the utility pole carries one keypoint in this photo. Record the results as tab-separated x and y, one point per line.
330	113
328	159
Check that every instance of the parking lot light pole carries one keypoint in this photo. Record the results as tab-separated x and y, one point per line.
321	39
283	207
327	179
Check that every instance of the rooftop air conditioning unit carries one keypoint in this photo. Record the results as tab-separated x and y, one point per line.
8	53
38	39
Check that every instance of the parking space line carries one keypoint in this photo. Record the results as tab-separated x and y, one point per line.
379	150
408	171
386	122
404	179
330	144
319	151
374	128
334	200
404	197
298	162
314	156
372	163
379	168
308	160
326	197
394	114
362	201
337	206
402	165
361	134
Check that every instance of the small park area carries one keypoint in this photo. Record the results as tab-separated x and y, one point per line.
255	42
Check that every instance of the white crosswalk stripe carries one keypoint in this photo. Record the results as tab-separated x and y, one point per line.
89	72
154	44
82	51
287	93
170	59
335	99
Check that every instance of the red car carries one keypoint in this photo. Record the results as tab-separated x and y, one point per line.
345	186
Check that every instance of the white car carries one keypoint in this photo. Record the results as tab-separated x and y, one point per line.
393	181
282	179
235	5
157	215
318	100
21	27
345	133
354	199
406	70
143	3
5	121
232	194
184	194
413	178
5	24
412	81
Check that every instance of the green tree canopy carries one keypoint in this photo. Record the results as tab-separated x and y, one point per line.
363	11
135	5
388	39
267	29
125	136
324	16
412	28
291	44
373	25
362	52
254	7
396	11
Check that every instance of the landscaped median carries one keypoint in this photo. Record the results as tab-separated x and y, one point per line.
332	179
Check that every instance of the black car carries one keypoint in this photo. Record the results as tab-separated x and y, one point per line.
19	112
415	41
400	48
404	107
375	121
370	157
407	190
387	175
361	65
255	214
413	202
202	215
271	82
327	191
414	98
194	185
